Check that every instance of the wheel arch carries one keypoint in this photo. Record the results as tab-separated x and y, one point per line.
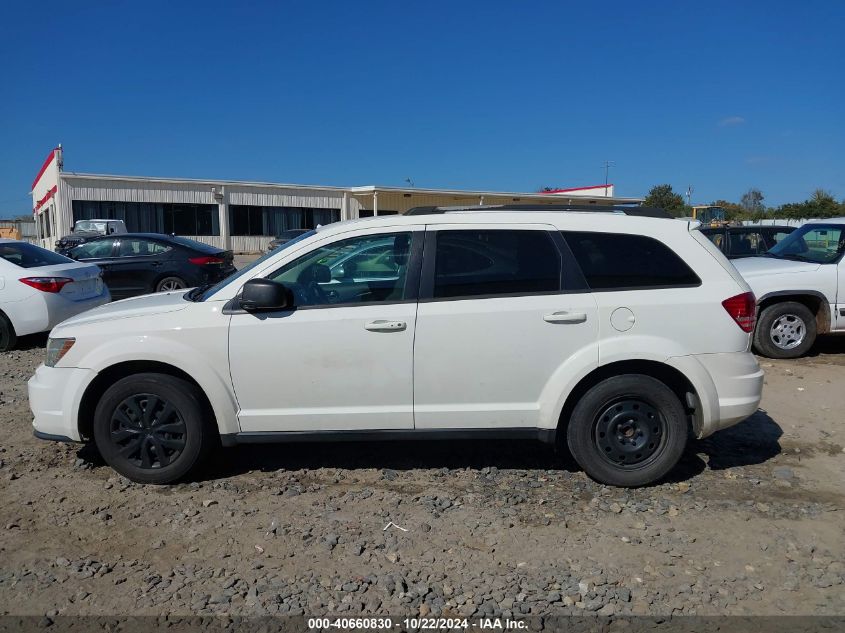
813	300
668	375
108	376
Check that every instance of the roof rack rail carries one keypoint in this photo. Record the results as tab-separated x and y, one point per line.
648	212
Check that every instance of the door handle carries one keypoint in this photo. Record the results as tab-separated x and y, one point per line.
385	326
565	317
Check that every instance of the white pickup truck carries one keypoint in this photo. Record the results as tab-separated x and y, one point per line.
798	285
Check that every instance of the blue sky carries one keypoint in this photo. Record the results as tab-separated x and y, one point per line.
489	95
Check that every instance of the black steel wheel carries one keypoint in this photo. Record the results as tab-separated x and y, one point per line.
8	338
629	430
148	430
153	428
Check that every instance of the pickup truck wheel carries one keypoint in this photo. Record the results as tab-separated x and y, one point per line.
785	330
8	338
628	430
170	283
151	428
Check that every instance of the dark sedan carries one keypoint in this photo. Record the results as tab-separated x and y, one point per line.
141	263
746	241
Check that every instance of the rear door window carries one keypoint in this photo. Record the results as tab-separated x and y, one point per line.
746	244
472	263
139	248
618	261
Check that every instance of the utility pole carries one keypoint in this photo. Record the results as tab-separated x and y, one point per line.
607	165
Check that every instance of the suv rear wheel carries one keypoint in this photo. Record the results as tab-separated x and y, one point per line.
785	330
628	430
152	428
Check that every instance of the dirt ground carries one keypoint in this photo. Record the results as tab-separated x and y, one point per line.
750	523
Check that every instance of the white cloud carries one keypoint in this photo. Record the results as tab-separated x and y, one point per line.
731	121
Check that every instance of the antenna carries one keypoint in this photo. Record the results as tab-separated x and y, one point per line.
689	195
607	165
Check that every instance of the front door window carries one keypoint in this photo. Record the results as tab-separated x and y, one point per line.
364	269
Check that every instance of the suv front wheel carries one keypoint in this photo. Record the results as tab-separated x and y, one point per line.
628	430
785	330
153	428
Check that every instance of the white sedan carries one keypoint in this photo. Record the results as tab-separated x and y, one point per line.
39	289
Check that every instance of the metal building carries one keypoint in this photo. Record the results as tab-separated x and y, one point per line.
243	216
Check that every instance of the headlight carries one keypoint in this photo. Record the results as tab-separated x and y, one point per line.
56	349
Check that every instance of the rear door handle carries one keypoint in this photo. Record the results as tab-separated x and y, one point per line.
386	326
565	317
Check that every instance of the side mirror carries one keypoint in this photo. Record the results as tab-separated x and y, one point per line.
264	294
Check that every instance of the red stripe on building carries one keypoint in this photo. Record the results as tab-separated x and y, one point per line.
578	189
43	201
44	167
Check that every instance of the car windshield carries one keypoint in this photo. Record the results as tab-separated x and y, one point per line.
203	293
816	243
30	256
90	226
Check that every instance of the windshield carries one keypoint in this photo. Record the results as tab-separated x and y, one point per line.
90	226
816	243
207	292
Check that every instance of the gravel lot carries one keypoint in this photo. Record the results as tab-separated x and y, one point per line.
751	523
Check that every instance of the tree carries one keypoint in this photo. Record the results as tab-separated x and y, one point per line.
664	197
752	202
822	204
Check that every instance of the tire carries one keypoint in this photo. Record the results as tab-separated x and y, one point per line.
8	337
170	283
785	330
128	440
628	431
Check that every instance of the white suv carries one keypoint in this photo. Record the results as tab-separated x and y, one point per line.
615	334
798	283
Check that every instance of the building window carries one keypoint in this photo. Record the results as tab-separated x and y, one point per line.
181	219
272	221
48	232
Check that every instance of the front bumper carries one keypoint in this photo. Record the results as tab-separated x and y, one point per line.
54	397
729	387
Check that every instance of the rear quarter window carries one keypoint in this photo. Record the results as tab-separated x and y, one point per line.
27	255
619	261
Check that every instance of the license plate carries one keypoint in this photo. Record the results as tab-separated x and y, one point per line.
85	288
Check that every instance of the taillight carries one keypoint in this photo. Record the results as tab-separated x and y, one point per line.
47	284
743	310
205	261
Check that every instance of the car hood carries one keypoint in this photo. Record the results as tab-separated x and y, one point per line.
751	267
145	305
